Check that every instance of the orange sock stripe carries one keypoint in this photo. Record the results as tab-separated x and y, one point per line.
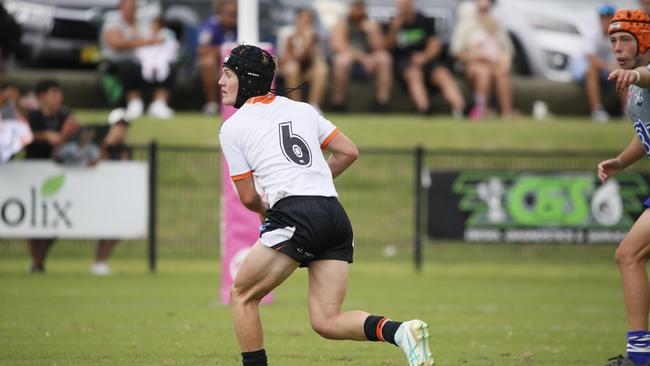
379	328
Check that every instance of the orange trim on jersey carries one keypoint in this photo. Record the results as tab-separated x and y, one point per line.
329	139
264	99
241	176
379	328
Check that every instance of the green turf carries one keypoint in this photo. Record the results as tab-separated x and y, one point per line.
488	305
510	312
391	130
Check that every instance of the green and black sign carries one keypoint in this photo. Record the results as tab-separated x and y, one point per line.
524	207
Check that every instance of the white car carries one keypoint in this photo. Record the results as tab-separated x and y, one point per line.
549	34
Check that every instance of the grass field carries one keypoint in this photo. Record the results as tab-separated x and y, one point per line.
487	305
509	312
409	131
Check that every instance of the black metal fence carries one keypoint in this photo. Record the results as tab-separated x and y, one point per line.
381	193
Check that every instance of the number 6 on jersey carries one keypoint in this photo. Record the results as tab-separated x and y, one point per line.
294	147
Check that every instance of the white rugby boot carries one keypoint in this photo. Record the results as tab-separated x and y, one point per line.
413	338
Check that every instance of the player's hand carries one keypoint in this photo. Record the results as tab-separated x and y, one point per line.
608	169
623	78
265	200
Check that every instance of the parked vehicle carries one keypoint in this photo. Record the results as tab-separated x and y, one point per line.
549	34
59	30
66	32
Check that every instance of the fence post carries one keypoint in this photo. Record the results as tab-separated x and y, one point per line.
419	163
153	185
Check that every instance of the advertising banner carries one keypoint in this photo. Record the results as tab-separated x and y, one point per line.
534	207
40	199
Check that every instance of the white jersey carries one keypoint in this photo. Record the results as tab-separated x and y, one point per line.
278	142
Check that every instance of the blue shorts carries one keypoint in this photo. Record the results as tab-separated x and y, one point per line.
646	203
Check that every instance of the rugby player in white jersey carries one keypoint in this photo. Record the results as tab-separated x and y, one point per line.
274	143
629	32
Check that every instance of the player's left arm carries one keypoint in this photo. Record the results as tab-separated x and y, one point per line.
344	153
249	197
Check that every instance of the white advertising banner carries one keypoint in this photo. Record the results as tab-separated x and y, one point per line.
40	199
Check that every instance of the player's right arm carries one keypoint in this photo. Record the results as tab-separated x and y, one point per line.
240	170
632	153
249	197
344	153
624	78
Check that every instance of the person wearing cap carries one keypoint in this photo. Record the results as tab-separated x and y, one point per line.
358	44
275	143
112	148
596	65
629	32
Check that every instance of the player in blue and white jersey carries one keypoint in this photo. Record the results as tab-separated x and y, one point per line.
629	32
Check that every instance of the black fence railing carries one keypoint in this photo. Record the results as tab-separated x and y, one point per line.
381	193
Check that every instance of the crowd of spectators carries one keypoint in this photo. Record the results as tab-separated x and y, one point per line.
140	55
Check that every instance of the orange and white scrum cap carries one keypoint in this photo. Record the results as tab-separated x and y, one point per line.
635	22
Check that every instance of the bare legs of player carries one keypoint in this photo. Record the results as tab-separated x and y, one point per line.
264	269
632	256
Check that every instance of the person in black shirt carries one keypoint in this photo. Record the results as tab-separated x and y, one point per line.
51	125
49	121
416	52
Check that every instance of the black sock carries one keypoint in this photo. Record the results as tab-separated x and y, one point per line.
255	358
389	329
379	328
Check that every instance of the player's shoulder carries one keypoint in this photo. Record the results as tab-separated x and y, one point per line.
231	125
